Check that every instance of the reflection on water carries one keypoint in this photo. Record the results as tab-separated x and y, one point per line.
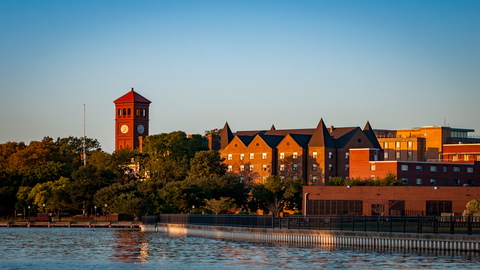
84	248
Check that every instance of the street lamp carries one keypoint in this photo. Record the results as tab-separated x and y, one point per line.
43	207
95	211
106	209
29	213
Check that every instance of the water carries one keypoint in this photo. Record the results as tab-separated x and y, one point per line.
83	248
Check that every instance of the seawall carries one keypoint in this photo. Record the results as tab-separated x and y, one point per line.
330	238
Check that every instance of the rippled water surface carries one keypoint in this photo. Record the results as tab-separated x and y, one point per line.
82	248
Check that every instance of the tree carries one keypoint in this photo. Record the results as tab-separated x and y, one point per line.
474	206
109	194
218	186
128	204
336	181
220	205
207	163
182	196
389	180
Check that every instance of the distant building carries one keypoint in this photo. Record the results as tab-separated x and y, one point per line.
315	155
420	144
466	153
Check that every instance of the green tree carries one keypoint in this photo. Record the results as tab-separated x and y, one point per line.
128	204
108	195
474	206
207	163
217	186
219	206
337	181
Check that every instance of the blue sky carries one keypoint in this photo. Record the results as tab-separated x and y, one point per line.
398	64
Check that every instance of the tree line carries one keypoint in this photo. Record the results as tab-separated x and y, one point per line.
178	173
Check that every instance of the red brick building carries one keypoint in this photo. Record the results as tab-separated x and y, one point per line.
367	200
364	165
466	153
315	155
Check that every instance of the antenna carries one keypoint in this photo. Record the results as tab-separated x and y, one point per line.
84	153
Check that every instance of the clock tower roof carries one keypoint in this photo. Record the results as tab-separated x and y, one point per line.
132	96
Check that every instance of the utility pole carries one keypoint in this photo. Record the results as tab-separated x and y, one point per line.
84	153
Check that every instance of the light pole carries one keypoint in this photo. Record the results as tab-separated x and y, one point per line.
43	207
95	211
193	209
29	213
106	209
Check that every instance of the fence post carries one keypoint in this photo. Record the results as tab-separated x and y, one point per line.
378	223
390	217
403	223
418	224
273	221
452	229
365	222
435	225
330	222
341	223
353	223
288	222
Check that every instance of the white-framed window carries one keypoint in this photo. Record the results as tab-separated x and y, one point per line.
419	168
385	155
229	157
242	156
397	154
347	155
282	155
466	157
404	168
409	154
330	178
419	181
372	167
330	155
314	179
294	167
347	167
282	168
295	154
478	158
433	181
314	154
409	144
445	169
330	167
456	169
397	144
229	168
469	170
264	179
456	182
264	167
251	168
433	168
385	145
405	181
264	155
242	168
242	179
252	155
314	167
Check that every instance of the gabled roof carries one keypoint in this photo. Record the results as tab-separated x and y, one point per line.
284	132
132	96
249	132
301	140
226	136
321	137
368	131
271	141
344	135
273	127
246	140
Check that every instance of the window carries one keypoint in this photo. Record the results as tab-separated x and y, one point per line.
419	168
264	155
264	179
409	144
347	155
252	155
119	111
470	182
330	177
478	158
466	157
294	154
433	181
433	168
405	181
294	167
242	179
282	155
385	155
229	157
404	168
242	156
347	167
124	112
419	181
314	179
436	208
229	168
282	168
242	168
456	182
264	167
334	207
445	182
397	155
330	167
444	168
455	158
397	144
409	154
372	167
136	112
295	177
314	154
251	167
283	178
385	145
469	170
314	167
456	169
330	155
129	111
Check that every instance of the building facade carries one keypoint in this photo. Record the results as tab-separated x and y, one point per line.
315	155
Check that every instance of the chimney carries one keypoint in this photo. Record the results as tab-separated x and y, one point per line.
140	144
331	128
210	141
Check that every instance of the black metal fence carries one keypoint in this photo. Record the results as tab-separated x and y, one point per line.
391	224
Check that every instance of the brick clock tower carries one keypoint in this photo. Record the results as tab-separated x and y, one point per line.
131	120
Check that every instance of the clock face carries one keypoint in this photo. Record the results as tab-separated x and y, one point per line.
124	129
140	129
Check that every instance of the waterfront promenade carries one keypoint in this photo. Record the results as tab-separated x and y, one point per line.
68	224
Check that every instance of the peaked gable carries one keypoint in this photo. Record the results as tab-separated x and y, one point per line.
321	137
368	131
132	96
226	136
236	143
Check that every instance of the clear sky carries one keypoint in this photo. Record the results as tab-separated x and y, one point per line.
398	64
